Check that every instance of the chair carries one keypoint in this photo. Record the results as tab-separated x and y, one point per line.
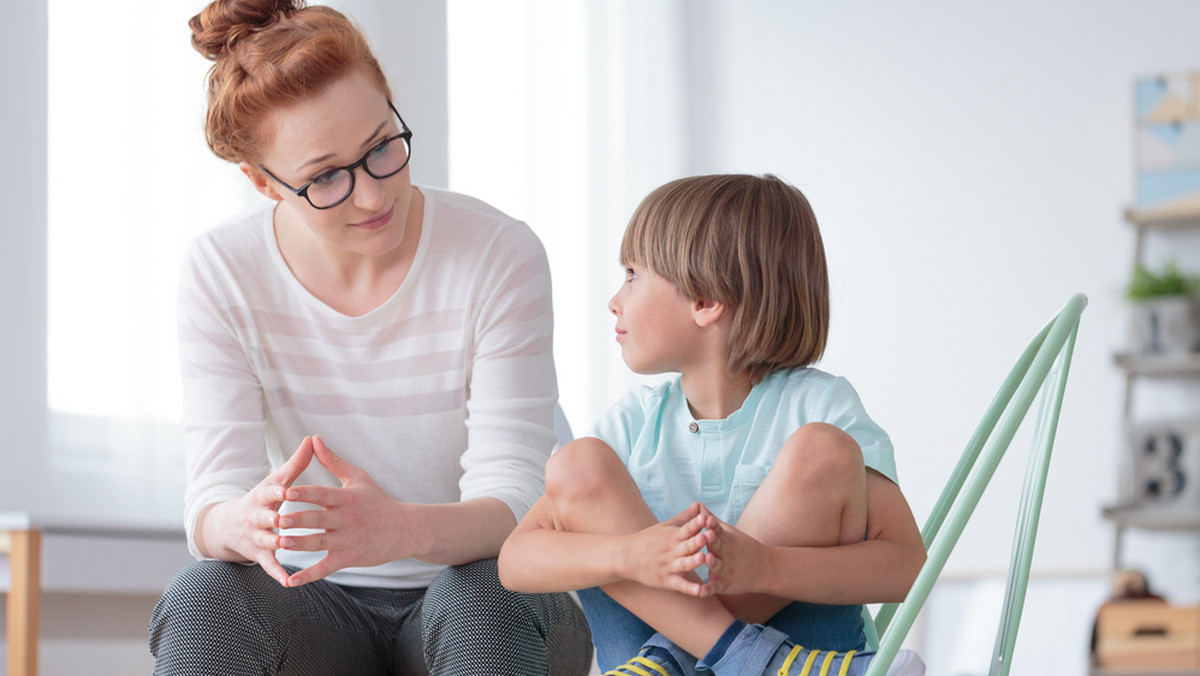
1043	367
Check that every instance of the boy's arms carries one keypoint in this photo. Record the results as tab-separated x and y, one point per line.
538	557
878	570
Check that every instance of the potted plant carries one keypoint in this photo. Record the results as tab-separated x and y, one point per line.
1166	316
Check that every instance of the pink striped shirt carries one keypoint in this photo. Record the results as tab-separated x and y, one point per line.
445	392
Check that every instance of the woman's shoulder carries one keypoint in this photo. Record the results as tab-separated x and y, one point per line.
462	218
238	236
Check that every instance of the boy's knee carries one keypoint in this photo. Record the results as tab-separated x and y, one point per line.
581	468
821	452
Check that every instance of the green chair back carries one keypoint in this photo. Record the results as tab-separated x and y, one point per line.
1043	368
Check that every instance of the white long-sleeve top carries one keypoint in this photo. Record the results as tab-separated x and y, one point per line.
445	392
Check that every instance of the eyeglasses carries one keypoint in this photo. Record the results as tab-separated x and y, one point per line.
331	188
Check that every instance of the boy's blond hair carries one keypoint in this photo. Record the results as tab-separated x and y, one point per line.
750	242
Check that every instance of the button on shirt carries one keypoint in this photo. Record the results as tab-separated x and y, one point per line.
676	460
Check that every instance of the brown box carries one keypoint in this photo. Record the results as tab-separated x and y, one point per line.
1147	634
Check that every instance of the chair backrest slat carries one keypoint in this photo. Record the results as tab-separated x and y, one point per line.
1042	367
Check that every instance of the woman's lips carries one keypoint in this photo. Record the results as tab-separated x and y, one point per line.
377	222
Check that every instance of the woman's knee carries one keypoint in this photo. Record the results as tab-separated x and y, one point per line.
209	589
469	597
207	596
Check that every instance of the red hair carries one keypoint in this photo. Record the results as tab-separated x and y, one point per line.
268	55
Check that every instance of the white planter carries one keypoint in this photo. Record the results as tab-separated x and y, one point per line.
1167	325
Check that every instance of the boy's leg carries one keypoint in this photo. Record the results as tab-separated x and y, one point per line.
815	495
591	491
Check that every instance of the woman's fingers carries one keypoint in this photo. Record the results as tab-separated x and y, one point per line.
308	518
319	570
325	496
272	568
289	471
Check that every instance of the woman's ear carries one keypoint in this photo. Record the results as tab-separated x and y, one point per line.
707	312
260	181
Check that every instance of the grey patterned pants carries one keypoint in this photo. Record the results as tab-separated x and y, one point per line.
219	618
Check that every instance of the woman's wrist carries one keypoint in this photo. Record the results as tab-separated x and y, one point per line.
208	531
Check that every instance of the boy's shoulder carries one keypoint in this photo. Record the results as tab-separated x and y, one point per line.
801	380
649	396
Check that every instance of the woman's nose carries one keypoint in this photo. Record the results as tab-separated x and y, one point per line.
368	190
612	306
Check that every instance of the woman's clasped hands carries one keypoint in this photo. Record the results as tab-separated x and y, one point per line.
346	522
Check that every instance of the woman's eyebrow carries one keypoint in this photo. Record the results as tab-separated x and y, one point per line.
328	156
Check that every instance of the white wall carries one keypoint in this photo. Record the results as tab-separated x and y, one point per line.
969	164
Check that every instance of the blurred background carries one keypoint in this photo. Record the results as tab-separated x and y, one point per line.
970	165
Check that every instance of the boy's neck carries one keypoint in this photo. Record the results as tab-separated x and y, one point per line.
715	395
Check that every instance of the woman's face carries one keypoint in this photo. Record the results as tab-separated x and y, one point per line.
334	129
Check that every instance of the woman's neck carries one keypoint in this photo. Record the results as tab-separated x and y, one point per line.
351	283
714	394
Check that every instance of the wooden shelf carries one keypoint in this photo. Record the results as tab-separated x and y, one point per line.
1101	671
1179	217
1160	365
1155	518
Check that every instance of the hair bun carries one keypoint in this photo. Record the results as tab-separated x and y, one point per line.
220	25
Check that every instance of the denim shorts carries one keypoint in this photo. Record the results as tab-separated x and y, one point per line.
618	634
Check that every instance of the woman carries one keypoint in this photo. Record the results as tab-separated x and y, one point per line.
399	338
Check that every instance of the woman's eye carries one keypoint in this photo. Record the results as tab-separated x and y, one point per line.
630	275
326	178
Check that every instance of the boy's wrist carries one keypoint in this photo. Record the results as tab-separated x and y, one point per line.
618	558
772	566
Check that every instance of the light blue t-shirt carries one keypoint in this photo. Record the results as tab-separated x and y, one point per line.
677	460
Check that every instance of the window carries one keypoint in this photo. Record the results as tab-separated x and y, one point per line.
130	180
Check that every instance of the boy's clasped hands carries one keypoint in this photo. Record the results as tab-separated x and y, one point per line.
668	554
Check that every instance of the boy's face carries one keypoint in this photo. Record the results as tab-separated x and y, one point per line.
654	322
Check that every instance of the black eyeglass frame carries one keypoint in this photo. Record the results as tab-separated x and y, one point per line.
405	134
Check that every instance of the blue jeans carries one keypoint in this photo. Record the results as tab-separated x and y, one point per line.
618	634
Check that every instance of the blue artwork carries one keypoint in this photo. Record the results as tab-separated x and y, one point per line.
1168	143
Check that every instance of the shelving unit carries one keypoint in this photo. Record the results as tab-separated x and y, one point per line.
1154	366
1152	517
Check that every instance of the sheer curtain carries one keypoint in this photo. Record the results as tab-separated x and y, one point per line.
565	114
129	181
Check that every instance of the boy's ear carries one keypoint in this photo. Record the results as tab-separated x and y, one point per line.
707	312
261	182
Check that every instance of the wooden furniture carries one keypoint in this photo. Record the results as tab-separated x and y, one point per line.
69	554
1129	512
1148	368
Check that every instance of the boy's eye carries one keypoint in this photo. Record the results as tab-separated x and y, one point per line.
630	275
